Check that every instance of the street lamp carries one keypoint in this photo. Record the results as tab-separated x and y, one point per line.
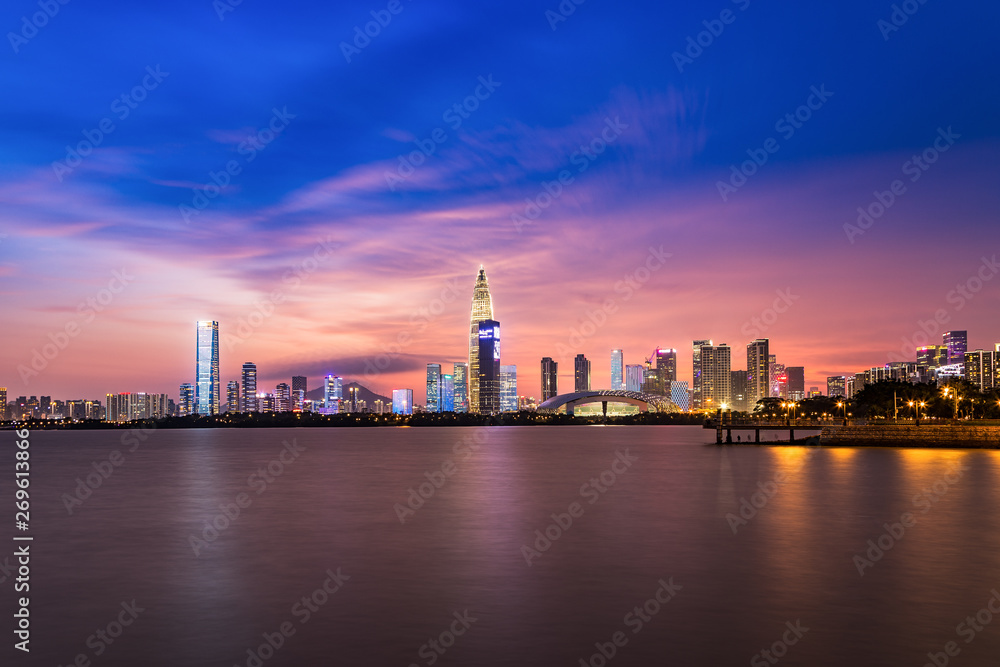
843	404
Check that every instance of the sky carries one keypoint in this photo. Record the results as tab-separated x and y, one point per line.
631	175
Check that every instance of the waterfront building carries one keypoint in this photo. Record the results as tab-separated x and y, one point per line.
633	377
299	389
758	371
715	363
233	396
249	377
461	380
433	402
187	399
508	388
738	390
447	392
796	382
617	369
680	395
550	378
482	310
333	392
836	385
207	380
488	364
581	373
980	369
957	344
696	373
282	398
402	401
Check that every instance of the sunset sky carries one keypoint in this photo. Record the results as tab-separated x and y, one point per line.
345	263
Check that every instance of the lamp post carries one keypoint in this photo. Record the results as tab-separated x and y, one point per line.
843	404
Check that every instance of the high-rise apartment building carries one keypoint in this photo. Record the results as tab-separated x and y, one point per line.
633	377
581	373
696	373
461	396
249	377
980	369
617	369
836	385
488	363
508	388
186	403
482	310
758	372
550	378
738	390
433	402
796	382
957	344
299	389
715	376
207	381
282	398
233	396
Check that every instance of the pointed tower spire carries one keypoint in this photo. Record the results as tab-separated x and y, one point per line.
482	309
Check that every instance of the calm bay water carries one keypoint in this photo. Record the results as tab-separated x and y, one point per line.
661	517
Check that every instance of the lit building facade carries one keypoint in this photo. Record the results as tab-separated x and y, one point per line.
488	364
550	378
796	382
333	391
249	377
758	371
447	392
233	396
186	404
482	311
738	390
633	377
433	402
299	389
207	381
282	398
402	401
680	394
696	372
957	343
508	388
716	361
836	386
932	356
980	369
461	380
617	369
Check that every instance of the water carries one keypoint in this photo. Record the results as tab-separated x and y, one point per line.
663	518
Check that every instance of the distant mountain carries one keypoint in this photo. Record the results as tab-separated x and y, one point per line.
364	394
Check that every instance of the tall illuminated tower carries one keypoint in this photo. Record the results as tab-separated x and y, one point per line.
482	310
249	387
617	370
207	384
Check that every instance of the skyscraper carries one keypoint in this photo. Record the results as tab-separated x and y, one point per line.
738	390
402	401
299	389
233	396
508	388
3	403
461	373
482	310
680	395
715	376
836	385
980	368
550	378
758	372
633	377
333	391
187	399
447	392
933	356
249	387
207	381
696	373
617	370
666	365
282	398
581	373
433	403
488	364
774	369
957	344
796	382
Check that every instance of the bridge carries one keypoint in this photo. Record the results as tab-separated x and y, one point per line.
649	402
